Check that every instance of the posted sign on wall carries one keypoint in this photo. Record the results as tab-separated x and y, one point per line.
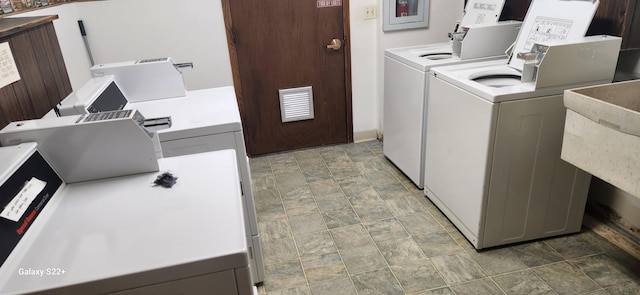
8	70
328	3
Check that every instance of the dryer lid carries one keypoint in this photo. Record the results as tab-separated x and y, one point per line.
481	12
548	20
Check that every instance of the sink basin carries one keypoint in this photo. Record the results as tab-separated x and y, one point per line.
602	133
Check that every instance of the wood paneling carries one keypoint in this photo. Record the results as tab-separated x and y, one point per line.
633	35
43	76
614	17
515	10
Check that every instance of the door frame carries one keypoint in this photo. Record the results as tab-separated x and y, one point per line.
233	55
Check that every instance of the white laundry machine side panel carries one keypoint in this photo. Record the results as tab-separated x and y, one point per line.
532	192
459	147
404	102
255	246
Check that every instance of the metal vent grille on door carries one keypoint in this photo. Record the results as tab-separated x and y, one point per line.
296	104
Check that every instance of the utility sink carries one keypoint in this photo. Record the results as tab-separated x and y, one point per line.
602	133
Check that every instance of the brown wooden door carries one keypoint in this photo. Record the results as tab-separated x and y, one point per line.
282	44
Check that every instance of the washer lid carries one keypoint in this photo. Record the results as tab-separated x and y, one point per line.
481	12
548	20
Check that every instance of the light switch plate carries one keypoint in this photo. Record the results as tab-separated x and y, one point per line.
370	12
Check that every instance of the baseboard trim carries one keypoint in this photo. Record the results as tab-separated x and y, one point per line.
365	135
614	237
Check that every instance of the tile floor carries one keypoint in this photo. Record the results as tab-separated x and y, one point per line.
343	220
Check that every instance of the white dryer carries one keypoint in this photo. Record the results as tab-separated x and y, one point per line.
406	84
201	121
209	120
494	130
122	235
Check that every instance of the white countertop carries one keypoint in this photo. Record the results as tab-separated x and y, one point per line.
123	232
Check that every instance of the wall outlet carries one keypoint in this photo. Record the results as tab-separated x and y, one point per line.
370	12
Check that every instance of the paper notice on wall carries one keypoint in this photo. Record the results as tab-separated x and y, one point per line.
19	204
8	70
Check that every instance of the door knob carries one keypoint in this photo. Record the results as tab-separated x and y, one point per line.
335	44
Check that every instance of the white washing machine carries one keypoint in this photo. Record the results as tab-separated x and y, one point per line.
406	84
494	130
